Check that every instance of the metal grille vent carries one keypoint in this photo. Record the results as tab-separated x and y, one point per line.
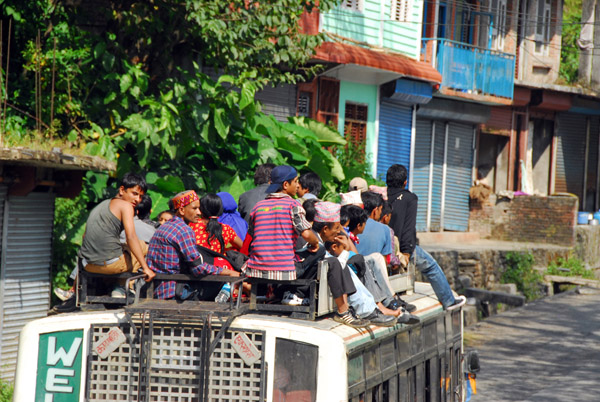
304	104
173	370
115	378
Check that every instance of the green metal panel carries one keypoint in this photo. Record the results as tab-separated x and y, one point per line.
365	95
374	26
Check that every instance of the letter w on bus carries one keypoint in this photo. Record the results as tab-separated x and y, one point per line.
55	355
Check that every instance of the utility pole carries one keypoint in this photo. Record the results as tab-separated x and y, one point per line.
586	41
596	52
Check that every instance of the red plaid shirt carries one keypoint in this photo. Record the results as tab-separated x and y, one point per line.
172	248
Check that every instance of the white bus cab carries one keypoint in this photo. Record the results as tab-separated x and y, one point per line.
186	352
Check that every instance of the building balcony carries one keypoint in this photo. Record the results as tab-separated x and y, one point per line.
469	69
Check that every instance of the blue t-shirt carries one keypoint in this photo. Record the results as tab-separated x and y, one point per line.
376	238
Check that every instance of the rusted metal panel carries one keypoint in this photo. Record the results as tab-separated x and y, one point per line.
342	53
500	122
570	154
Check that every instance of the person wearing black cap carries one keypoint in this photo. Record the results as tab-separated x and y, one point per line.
275	224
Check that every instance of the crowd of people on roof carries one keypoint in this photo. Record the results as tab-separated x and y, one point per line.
278	231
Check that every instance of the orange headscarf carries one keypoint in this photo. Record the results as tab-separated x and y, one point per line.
184	199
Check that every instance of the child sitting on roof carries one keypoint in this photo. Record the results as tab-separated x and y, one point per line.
341	248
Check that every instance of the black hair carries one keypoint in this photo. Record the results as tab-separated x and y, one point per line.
318	226
371	201
312	182
167	211
396	176
144	207
211	208
131	180
309	207
387	208
262	174
344	216
328	245
170	205
356	216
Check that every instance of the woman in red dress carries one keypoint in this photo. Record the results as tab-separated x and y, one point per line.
212	234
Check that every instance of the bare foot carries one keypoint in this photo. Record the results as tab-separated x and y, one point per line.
387	311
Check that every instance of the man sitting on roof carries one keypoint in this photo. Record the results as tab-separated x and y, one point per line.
172	250
101	250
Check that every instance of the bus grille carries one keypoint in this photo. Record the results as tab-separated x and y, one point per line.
164	362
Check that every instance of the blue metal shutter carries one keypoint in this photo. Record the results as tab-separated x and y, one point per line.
395	123
570	154
459	165
25	284
421	170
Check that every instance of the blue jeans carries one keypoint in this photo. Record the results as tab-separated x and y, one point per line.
361	301
429	267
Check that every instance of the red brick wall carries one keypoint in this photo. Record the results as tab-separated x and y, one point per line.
550	220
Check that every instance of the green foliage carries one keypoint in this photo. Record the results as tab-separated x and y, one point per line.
569	53
6	391
129	87
519	270
571	266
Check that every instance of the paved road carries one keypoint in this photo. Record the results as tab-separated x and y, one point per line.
545	351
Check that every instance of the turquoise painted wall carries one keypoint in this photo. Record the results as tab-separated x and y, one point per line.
365	95
375	26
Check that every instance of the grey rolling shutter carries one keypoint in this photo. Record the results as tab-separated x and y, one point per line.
279	101
395	124
420	184
438	176
570	154
25	284
2	201
427	178
459	164
592	167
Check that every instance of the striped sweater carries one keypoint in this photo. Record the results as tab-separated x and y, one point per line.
274	235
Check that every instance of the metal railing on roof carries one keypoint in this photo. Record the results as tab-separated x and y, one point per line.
471	69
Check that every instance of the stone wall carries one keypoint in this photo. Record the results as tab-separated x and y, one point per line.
534	219
484	268
587	245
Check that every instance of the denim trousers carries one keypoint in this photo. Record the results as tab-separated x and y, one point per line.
429	267
376	278
361	301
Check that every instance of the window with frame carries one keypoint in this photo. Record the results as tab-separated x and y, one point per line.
542	29
498	10
355	125
401	10
353	5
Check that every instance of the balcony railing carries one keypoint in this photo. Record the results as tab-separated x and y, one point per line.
471	69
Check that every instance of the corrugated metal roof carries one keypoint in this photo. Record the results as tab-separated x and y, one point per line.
25	276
